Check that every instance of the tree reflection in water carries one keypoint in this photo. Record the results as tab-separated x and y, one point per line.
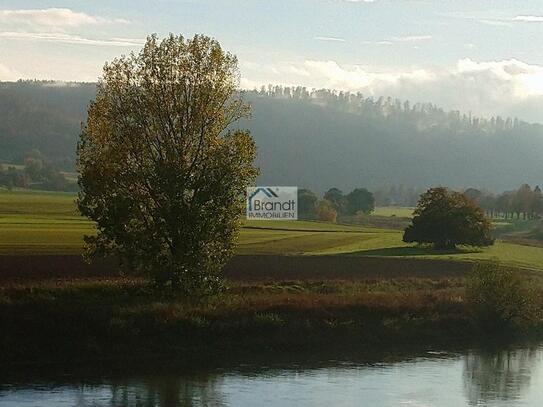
163	391
498	375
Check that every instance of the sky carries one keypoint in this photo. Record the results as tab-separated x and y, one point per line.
483	56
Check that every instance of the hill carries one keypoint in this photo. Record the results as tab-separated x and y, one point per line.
314	139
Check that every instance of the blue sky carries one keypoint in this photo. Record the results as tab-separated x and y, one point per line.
480	55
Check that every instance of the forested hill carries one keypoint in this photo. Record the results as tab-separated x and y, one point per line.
315	139
45	116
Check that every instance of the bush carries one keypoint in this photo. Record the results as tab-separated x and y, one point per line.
500	298
325	211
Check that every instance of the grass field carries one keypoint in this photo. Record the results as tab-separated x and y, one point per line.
397	211
43	223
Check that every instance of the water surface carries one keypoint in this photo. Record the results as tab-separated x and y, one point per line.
512	377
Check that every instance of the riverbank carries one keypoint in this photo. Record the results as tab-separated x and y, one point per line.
55	321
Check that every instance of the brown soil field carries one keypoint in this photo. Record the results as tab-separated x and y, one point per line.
245	268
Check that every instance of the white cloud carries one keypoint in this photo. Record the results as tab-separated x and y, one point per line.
412	38
333	39
496	19
51	18
507	87
529	19
495	23
70	39
8	74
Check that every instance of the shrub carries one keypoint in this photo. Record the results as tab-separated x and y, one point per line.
325	211
499	298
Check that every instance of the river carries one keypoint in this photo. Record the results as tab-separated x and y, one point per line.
507	377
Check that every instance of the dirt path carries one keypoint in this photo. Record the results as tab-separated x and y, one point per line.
246	268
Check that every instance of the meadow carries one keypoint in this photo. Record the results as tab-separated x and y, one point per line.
48	223
115	317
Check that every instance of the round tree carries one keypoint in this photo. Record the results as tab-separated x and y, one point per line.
360	200
446	218
161	173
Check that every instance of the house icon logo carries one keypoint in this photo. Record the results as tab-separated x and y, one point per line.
272	203
267	191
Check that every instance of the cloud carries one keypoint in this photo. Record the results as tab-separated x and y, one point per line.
55	18
412	38
529	19
8	74
71	39
496	19
495	23
507	87
334	39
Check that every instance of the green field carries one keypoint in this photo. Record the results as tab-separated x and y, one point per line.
398	211
41	223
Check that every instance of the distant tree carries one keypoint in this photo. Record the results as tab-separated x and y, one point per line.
52	179
336	198
489	203
307	202
325	211
524	201
473	194
34	162
446	218
537	204
162	175
360	200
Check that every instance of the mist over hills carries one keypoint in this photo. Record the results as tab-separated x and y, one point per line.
314	139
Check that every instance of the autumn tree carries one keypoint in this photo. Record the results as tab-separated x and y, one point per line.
446	218
325	211
161	172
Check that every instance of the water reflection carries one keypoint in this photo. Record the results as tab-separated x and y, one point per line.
504	378
164	391
498	375
169	391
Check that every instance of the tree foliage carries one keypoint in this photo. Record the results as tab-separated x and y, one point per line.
307	202
162	175
446	218
524	201
336	198
500	298
360	200
36	173
325	211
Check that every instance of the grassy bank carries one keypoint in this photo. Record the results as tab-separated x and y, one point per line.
124	319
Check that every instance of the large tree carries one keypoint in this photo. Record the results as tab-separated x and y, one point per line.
162	174
446	218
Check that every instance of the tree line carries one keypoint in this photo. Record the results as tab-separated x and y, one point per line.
525	202
35	173
392	109
334	203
